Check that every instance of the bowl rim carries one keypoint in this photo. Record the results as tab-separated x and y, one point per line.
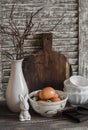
67	82
75	84
48	103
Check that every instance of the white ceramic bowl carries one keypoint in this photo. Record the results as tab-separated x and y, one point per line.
68	87
48	109
79	81
76	95
74	88
77	98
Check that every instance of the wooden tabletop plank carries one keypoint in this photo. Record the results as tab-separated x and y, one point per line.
10	121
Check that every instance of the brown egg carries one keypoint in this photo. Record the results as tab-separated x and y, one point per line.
56	95
47	93
41	101
37	94
40	95
55	99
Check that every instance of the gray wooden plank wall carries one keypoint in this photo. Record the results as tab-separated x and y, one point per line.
83	38
65	36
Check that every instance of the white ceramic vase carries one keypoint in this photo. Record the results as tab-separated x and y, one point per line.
16	86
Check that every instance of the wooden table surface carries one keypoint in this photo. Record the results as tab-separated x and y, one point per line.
10	121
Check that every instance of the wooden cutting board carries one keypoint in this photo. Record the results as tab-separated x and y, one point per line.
46	67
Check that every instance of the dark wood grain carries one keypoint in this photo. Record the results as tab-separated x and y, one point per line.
46	67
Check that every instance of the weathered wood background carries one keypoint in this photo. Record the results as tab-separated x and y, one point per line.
65	36
83	38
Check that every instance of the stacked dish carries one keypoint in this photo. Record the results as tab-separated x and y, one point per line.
76	88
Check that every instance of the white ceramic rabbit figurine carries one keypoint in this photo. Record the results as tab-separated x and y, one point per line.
24	107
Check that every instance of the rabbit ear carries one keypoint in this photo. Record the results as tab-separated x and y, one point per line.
26	96
21	97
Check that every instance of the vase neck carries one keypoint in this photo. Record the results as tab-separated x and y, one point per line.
17	64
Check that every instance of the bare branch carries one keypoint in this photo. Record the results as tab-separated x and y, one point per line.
37	12
30	29
27	27
14	43
59	21
10	56
11	21
11	13
12	24
14	27
4	29
35	30
26	21
29	24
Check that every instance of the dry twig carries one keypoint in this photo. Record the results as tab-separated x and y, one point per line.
18	38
